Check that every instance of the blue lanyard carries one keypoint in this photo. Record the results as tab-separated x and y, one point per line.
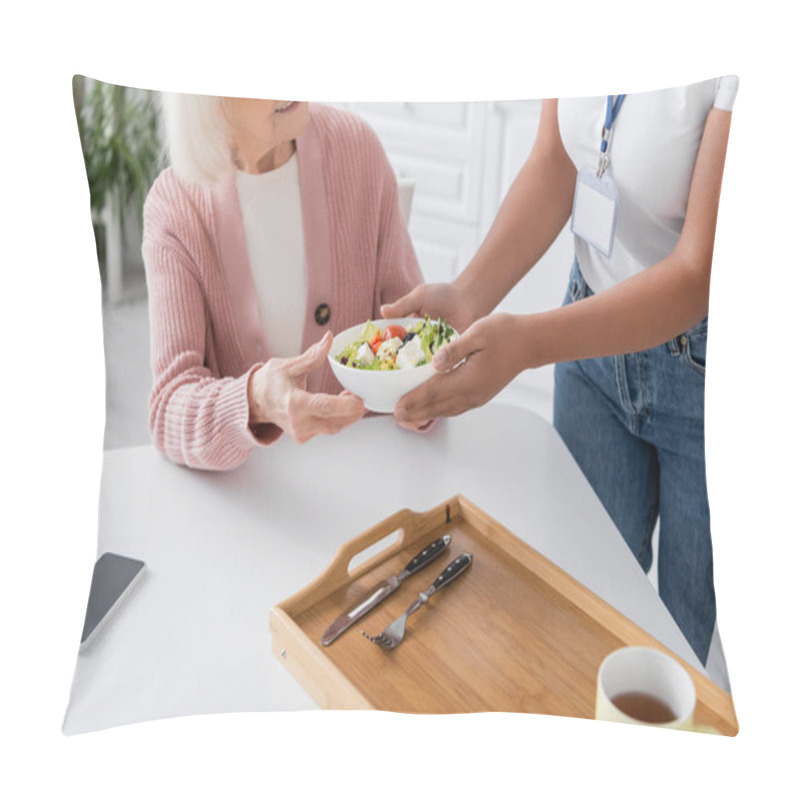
612	110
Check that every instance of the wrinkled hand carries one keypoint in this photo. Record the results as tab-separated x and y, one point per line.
495	352
445	300
277	395
417	427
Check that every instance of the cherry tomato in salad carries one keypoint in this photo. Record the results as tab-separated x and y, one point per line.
393	331
376	342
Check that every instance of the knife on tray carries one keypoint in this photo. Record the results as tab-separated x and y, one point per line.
384	589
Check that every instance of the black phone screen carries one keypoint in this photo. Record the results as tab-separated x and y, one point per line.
112	575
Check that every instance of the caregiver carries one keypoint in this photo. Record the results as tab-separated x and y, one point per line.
277	223
629	343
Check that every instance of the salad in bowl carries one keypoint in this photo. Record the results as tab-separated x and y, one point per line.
381	360
396	346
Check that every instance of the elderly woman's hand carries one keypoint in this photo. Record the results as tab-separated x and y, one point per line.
277	395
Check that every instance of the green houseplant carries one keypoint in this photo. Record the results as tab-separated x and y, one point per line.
122	151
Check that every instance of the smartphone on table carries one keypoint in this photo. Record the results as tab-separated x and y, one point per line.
113	579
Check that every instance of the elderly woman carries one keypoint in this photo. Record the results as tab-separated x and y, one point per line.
277	223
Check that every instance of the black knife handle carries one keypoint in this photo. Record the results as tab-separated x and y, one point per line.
455	568
424	557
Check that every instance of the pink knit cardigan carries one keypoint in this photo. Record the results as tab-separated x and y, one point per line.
206	335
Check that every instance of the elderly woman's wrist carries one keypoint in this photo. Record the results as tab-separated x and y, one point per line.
259	413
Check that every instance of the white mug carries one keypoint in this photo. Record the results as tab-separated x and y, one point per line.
644	681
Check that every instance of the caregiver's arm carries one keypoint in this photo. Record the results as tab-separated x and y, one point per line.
641	312
534	211
658	303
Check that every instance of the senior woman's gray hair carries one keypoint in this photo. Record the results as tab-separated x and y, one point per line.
198	137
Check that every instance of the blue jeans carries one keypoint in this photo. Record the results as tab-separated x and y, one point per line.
634	424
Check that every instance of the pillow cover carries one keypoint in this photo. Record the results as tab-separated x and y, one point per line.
216	525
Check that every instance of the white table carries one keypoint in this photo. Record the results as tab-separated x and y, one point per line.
222	548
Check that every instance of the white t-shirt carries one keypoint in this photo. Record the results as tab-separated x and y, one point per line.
653	148
273	227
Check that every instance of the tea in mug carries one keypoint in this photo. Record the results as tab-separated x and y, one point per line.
644	707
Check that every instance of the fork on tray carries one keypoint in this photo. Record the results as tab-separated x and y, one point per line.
394	634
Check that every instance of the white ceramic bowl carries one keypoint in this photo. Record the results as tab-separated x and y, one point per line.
380	391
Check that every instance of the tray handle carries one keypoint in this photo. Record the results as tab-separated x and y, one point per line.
404	522
411	524
338	572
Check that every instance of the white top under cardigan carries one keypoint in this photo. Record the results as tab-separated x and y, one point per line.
653	148
273	227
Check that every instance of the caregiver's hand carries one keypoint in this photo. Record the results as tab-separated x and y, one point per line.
445	300
495	349
277	395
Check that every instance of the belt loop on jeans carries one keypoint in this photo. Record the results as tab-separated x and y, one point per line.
577	282
674	346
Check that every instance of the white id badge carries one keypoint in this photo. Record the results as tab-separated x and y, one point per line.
594	209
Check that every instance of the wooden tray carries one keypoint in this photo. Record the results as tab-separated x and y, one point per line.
514	633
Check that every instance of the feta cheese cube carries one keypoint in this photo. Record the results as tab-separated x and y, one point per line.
388	349
410	354
364	355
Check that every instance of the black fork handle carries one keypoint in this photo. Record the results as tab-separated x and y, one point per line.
426	556
458	566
